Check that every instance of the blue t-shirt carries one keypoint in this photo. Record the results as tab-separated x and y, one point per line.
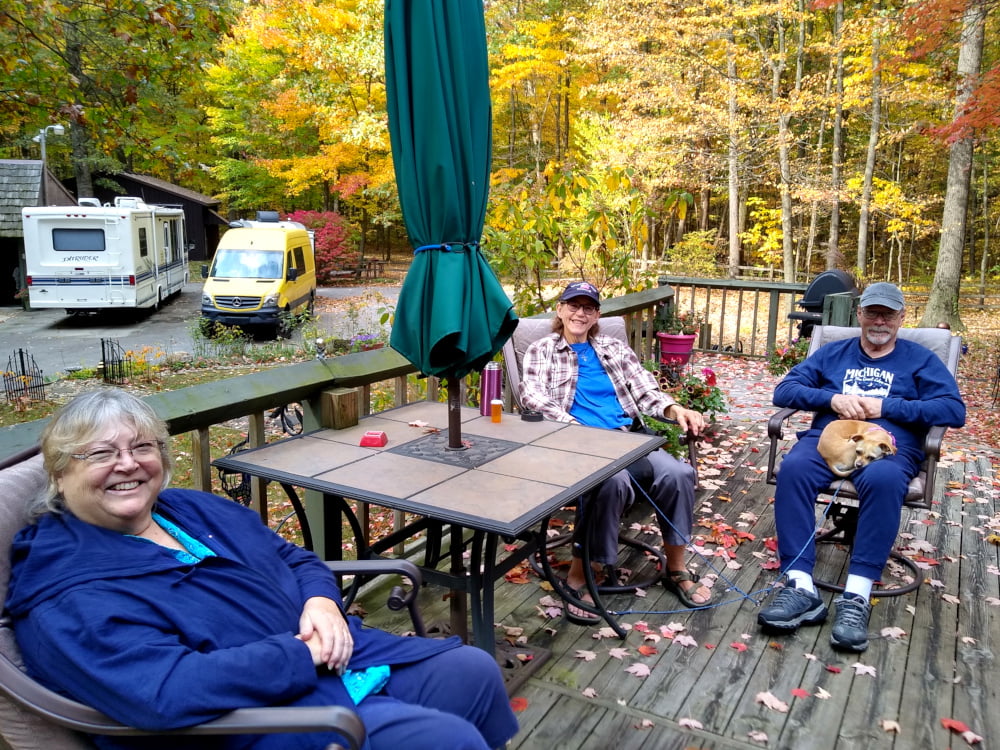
595	403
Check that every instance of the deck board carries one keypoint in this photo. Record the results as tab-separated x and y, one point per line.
926	675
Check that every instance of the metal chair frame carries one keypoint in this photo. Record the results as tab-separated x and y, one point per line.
841	494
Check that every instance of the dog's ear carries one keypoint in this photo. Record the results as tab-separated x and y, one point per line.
887	449
857	438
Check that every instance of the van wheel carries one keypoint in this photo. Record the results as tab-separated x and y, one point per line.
311	306
159	299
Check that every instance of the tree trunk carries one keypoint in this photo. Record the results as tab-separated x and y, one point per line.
734	182
833	254
942	305
79	137
873	132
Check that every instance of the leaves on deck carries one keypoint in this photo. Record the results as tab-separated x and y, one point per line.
769	700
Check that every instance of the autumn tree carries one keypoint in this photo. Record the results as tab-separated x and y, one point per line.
122	75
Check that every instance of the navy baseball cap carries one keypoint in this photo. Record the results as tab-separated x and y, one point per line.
883	294
581	289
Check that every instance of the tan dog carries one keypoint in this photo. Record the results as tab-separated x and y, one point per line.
848	444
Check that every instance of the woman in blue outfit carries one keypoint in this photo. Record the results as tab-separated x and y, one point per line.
165	608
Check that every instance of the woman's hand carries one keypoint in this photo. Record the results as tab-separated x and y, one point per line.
323	628
689	420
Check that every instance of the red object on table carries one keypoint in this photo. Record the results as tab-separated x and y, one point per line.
374	439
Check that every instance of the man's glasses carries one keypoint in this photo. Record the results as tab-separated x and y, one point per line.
887	317
586	309
109	456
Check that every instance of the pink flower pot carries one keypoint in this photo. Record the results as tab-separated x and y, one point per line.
675	348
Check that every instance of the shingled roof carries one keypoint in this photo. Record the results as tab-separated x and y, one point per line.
20	186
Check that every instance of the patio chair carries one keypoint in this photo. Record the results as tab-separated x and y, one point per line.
32	717
841	494
527	332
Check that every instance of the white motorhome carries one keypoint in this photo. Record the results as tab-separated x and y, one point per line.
90	257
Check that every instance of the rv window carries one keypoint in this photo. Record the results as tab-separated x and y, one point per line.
77	240
300	260
143	243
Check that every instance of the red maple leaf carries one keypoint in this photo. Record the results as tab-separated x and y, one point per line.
518	704
800	693
954	725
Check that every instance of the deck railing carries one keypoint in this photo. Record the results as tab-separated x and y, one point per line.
741	311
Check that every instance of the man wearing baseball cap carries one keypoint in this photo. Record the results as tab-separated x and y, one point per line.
576	374
899	385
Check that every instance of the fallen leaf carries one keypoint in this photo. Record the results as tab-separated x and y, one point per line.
954	725
588	693
647	650
690	723
738	646
771	701
639	670
894	633
971	737
518	704
800	693
822	694
757	736
890	726
951	599
860	669
969	640
685	640
831	668
586	655
618	652
645	724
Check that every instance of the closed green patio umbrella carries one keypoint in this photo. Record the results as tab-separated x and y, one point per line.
452	316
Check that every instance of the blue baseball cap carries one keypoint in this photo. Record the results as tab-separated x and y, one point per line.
581	289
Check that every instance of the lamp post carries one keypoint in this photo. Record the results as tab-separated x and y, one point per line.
56	129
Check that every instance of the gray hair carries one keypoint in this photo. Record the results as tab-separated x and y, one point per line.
558	326
76	425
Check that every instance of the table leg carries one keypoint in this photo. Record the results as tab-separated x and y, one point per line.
458	603
482	564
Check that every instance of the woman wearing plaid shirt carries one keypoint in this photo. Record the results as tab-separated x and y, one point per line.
575	374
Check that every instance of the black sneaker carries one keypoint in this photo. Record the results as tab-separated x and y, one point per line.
791	608
850	623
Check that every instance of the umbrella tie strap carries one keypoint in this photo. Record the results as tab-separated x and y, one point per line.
447	247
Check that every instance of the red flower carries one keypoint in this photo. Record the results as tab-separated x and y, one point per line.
709	374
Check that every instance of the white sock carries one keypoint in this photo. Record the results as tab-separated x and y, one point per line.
802	580
859	585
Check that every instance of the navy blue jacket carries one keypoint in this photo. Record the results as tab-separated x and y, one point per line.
916	389
118	623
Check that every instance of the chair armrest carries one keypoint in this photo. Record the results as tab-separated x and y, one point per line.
933	440
775	432
398	597
932	452
37	699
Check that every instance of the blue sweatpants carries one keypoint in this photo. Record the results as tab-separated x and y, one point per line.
454	700
881	487
671	491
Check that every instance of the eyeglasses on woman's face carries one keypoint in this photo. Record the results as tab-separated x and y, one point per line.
575	307
108	455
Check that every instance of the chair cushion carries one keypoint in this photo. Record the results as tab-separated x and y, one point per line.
19	484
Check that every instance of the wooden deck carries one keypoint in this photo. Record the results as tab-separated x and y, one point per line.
709	679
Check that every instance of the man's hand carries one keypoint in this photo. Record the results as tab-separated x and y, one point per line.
689	420
323	628
856	407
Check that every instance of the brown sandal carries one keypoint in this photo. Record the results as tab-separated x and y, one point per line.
672	582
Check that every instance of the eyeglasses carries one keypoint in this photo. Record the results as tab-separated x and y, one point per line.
109	456
887	317
586	309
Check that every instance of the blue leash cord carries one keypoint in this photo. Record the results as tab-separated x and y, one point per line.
755	596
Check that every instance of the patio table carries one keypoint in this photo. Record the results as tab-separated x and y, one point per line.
511	476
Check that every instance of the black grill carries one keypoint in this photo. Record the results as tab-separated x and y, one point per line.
828	282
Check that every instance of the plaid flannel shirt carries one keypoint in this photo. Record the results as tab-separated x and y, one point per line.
550	372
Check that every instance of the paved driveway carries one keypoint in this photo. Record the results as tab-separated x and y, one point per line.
59	342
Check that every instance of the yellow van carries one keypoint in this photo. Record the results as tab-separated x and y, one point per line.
263	272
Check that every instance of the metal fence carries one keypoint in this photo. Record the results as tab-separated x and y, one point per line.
22	380
117	365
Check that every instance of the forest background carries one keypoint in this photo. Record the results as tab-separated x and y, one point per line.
631	137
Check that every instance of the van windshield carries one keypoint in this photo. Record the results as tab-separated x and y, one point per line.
247	264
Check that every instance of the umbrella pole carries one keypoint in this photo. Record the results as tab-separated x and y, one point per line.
455	415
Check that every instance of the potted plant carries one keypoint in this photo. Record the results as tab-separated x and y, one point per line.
676	332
